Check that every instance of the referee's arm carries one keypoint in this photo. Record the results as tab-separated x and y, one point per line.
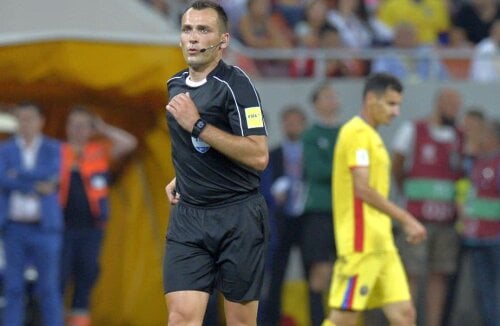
251	151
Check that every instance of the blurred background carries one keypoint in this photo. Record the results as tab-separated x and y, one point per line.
115	56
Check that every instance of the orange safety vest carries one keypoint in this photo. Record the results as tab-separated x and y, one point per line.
94	168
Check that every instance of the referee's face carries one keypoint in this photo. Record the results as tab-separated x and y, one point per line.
202	39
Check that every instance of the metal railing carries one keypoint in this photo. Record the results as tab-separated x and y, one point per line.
321	56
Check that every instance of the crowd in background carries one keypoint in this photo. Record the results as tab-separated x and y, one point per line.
423	28
446	168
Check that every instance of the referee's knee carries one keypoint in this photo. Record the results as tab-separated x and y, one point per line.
177	318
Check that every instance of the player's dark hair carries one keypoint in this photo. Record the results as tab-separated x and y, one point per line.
379	83
206	4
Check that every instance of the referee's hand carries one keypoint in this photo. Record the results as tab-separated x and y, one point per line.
172	194
184	111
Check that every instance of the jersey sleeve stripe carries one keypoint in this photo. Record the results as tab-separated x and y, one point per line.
254	90
235	102
176	77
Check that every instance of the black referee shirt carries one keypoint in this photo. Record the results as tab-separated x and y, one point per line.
229	101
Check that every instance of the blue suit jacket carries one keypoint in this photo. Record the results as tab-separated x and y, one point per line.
47	168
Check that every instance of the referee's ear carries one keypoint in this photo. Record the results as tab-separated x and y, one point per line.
224	41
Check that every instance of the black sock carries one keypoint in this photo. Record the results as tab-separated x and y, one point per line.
316	308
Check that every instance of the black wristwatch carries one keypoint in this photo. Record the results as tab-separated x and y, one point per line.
198	127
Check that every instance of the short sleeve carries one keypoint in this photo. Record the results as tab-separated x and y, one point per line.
246	116
358	152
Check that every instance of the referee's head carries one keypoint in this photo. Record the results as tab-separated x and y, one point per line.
221	13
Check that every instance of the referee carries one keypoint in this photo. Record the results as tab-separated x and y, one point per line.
218	233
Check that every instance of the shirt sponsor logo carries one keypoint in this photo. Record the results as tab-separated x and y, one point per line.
362	158
200	145
254	117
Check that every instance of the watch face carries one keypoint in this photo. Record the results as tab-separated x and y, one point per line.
200	124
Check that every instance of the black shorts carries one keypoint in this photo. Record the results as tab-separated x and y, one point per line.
221	247
318	244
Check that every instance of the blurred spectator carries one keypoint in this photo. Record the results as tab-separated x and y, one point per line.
318	241
84	191
170	9
430	17
423	64
307	32
472	129
291	10
357	28
458	68
260	28
235	9
472	125
482	223
426	165
476	17
329	39
30	217
485	65
285	189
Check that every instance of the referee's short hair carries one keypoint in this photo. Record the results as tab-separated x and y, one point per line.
207	4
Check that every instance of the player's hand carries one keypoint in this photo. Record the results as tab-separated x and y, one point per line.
415	231
172	194
184	111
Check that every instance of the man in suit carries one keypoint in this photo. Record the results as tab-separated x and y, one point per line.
283	189
30	216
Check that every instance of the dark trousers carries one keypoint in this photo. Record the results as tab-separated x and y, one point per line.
80	263
28	243
286	232
486	277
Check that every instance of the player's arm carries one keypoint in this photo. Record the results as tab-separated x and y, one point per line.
251	151
414	230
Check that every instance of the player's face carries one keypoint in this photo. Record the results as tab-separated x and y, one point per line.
386	107
200	29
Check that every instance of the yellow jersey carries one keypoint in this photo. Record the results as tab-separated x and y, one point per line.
359	227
